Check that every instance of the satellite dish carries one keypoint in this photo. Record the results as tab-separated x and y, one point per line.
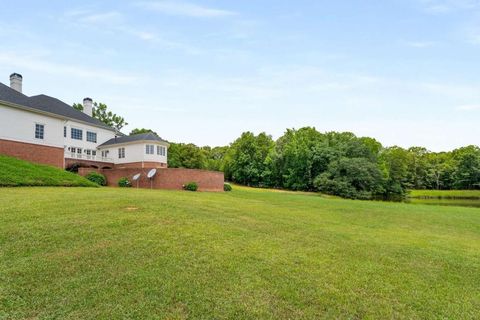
136	177
151	173
150	176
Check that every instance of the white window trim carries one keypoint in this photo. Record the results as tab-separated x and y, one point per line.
96	136
35	132
121	153
150	149
71	136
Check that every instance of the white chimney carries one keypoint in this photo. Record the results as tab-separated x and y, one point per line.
88	106
16	82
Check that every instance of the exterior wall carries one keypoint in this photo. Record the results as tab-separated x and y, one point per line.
52	156
19	125
102	136
136	153
165	178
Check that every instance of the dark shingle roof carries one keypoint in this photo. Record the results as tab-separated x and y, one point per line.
137	137
48	104
9	95
53	105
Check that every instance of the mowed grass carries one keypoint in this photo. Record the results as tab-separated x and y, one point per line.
80	253
445	194
15	172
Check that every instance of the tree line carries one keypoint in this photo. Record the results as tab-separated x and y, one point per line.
337	163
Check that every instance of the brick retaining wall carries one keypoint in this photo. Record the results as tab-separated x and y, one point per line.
33	152
167	178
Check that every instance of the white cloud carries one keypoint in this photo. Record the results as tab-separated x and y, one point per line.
39	64
447	6
420	44
184	9
104	17
469	107
116	22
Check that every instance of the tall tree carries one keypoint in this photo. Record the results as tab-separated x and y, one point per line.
78	106
100	112
393	162
188	156
142	130
247	159
467	171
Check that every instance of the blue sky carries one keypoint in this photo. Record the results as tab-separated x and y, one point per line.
406	72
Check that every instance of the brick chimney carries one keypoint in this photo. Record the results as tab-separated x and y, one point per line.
88	106
16	82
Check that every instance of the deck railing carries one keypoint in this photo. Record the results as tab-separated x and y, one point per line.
82	156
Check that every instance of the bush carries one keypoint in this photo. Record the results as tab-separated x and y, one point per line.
124	183
191	186
97	178
227	187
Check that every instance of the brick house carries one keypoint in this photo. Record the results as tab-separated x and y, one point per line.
46	130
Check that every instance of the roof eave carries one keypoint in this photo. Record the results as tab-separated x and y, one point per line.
134	142
53	115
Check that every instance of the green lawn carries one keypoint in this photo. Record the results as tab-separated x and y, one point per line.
83	253
445	194
15	172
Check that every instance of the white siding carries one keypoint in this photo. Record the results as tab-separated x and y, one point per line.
136	153
102	135
19	125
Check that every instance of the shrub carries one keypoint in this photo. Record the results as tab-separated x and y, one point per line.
191	186
227	187
124	183
97	178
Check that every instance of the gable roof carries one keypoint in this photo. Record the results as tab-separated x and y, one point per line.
48	104
137	137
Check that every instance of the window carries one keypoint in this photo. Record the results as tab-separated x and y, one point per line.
64	132
121	153
76	134
94	153
79	153
89	152
105	153
161	150
91	137
39	131
149	149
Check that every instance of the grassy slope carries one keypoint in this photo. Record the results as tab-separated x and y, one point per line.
117	253
15	172
446	194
